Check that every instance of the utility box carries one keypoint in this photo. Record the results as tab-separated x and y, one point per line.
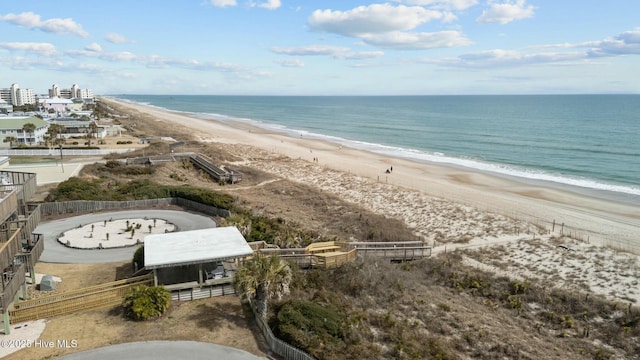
47	283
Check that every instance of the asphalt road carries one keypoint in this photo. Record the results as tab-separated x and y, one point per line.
54	252
163	350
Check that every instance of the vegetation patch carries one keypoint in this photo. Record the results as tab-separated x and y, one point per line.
146	302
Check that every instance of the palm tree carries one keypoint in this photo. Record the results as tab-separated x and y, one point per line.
10	140
263	278
28	128
93	129
53	131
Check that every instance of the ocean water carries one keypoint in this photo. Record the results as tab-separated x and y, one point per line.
581	142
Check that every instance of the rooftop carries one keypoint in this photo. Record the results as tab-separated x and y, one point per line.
194	247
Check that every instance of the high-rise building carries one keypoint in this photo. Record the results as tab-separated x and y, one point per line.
14	94
74	91
25	97
54	91
85	94
5	94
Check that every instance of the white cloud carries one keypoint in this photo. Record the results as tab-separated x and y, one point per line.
116	38
443	4
309	50
223	3
45	49
269	4
57	26
371	19
627	43
417	41
297	63
506	12
360	55
336	52
388	26
95	47
499	57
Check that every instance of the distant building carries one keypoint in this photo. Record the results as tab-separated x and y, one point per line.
54	92
5	107
73	128
12	126
17	96
56	104
85	94
73	93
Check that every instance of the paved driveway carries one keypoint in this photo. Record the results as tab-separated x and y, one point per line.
54	252
163	350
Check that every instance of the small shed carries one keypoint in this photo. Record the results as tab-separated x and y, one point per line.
192	258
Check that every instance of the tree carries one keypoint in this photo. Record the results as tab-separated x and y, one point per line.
93	129
28	128
263	278
10	140
54	131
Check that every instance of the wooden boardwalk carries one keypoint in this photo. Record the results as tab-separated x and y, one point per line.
329	254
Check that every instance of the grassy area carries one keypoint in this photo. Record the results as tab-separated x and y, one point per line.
25	160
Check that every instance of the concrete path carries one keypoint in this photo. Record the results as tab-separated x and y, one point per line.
163	350
54	252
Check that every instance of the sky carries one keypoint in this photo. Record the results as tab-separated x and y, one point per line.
309	47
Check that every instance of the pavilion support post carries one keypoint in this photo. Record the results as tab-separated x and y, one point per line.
200	274
155	277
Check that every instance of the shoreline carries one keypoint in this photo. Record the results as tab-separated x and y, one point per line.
604	221
593	187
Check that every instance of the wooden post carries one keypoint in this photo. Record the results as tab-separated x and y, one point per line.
553	227
562	229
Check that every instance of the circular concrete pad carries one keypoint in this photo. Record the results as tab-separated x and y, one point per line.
163	350
112	233
54	252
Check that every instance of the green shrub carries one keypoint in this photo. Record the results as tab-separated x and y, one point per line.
138	257
145	302
309	325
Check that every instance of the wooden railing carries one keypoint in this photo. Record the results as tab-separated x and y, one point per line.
89	298
10	286
8	203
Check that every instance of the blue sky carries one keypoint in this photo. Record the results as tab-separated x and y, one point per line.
308	47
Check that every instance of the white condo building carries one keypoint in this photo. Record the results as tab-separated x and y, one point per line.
73	93
17	96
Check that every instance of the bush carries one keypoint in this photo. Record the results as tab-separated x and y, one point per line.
309	325
146	302
138	258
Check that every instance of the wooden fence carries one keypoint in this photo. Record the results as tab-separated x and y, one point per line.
11	283
276	345
89	298
86	206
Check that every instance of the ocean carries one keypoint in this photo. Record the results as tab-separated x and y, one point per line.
588	143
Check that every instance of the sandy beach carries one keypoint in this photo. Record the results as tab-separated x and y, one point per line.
415	191
513	228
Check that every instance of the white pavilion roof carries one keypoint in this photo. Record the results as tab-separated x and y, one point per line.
193	247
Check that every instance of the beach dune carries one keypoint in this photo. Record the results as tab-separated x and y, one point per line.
598	220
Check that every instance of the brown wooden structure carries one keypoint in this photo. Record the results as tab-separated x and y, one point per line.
19	248
94	297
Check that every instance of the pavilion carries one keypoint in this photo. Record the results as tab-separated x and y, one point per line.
190	259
